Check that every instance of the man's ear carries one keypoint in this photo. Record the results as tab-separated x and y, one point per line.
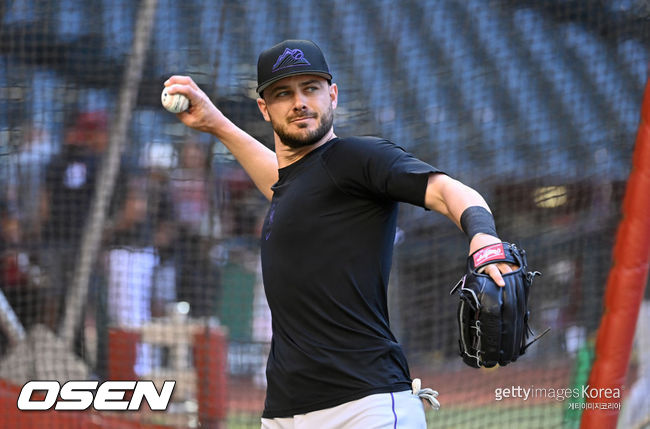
261	104
334	95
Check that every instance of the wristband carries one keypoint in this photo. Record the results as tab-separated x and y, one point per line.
477	219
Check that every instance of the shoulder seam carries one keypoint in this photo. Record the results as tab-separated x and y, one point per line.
327	170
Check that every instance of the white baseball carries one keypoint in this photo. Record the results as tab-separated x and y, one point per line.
175	103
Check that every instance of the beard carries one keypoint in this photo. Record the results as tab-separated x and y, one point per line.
298	140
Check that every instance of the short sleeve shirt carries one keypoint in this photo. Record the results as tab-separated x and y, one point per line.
326	247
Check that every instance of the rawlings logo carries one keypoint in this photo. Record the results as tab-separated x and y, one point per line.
490	253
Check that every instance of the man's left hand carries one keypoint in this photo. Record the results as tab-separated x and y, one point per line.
493	270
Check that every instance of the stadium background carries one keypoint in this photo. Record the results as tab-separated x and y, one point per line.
533	103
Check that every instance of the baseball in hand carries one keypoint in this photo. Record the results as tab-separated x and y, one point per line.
175	103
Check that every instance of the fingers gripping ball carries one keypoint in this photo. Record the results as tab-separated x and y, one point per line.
175	103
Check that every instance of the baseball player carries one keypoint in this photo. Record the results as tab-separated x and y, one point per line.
327	243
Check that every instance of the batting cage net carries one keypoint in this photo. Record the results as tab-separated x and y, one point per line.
129	243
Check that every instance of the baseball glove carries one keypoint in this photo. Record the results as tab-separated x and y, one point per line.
493	320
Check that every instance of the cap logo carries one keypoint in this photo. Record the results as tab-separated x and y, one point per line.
290	58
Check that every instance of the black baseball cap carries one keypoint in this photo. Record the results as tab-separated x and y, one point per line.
289	58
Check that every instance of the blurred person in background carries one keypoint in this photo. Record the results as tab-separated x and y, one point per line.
19	273
132	258
192	191
65	201
29	165
164	282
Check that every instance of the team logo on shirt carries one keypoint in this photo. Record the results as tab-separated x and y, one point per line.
267	233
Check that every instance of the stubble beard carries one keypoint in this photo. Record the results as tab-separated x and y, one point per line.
296	141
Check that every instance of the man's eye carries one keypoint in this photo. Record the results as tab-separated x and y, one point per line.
312	88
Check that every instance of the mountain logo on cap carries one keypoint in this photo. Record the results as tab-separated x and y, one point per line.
290	58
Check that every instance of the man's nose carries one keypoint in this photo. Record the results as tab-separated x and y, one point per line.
299	102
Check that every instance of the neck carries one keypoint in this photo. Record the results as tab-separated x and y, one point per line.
287	155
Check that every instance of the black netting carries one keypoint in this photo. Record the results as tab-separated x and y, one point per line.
533	103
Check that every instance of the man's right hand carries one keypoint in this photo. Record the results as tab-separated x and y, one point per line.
202	115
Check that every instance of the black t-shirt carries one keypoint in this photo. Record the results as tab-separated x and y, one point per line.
70	180
327	246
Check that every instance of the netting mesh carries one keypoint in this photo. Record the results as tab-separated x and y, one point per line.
534	104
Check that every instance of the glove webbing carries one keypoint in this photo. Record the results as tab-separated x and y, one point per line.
477	324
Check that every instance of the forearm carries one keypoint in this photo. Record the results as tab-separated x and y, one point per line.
451	198
259	162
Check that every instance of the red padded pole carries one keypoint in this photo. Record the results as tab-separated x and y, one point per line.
624	290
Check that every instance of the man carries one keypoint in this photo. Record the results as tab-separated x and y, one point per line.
70	179
327	245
